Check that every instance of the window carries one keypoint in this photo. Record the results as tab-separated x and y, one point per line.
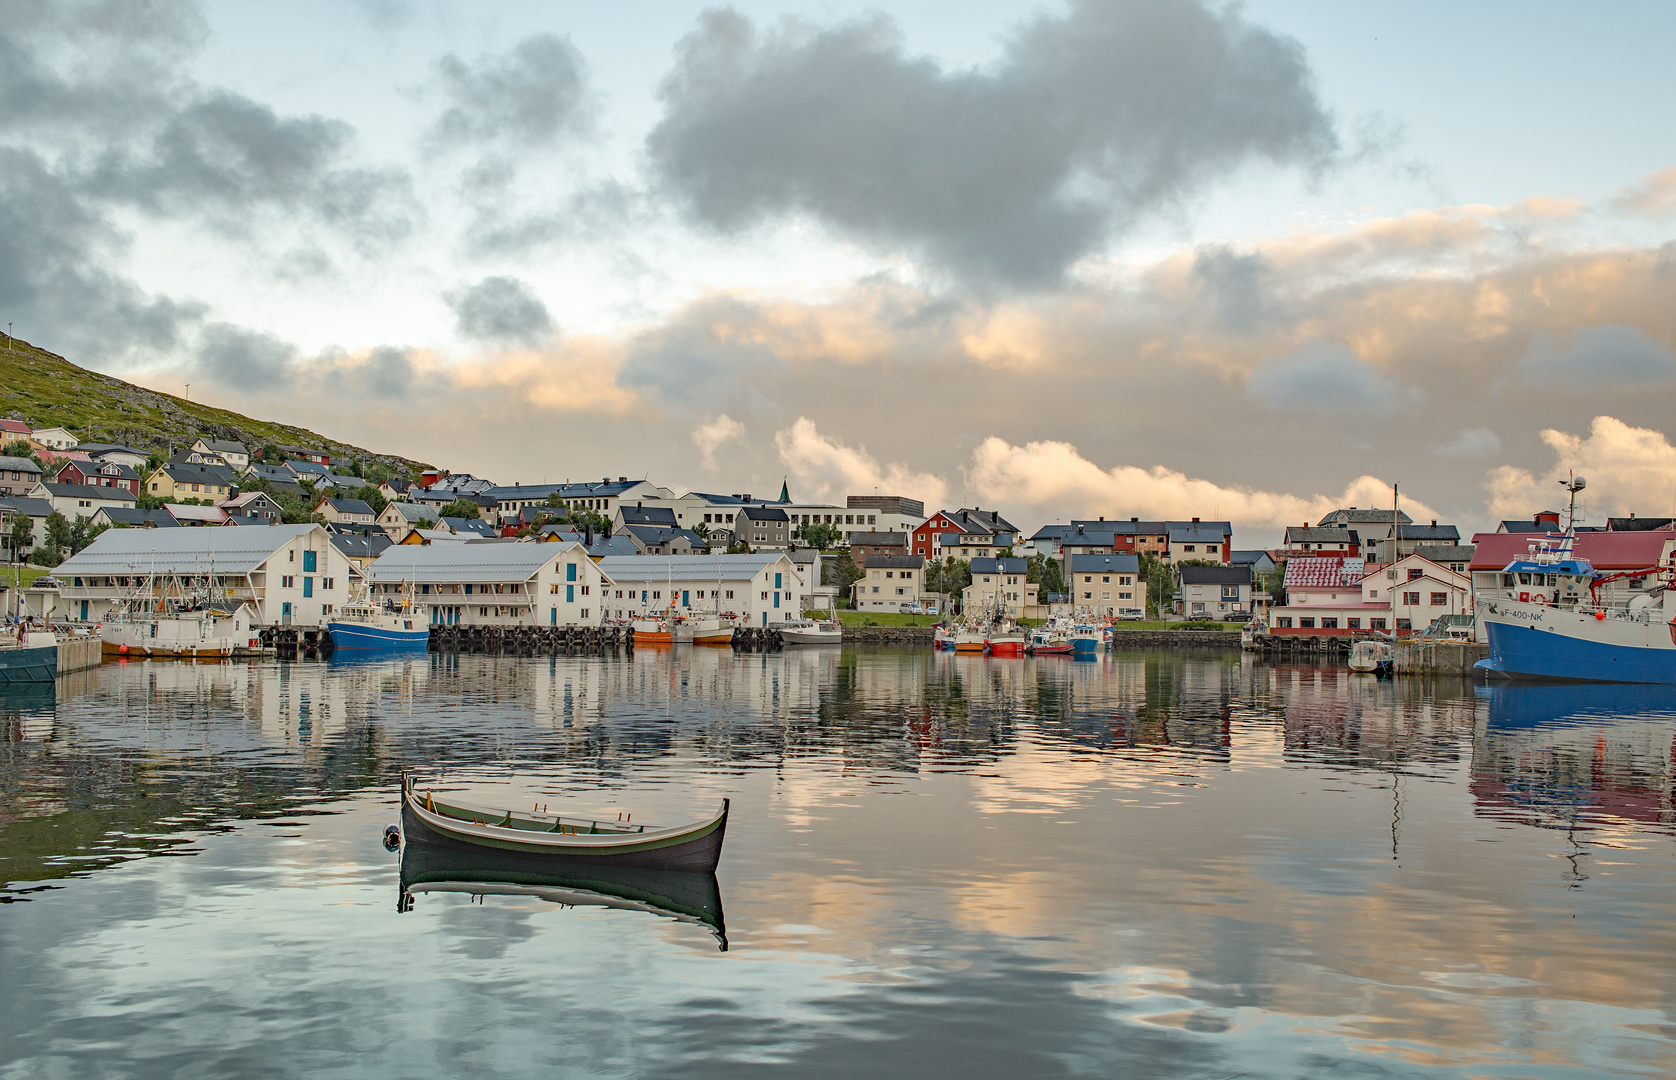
326	583
285	582
584	613
1306	624
1411	599
1440	599
309	562
730	594
570	571
1125	596
1405	624
656	595
483	611
1284	622
1353	624
308	586
585	591
1376	624
1414	572
1329	623
570	594
1189	547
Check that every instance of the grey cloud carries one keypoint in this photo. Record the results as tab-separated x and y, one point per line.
383	374
243	359
1088	122
52	250
1237	286
1597	357
1470	443
1327	377
500	311
530	96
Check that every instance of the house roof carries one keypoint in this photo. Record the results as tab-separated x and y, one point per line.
899	562
248	498
1106	564
1316	534
657	536
103	468
349	506
649	515
133	515
17	426
1216	575
25	504
224	446
476	526
1608	551
184	512
601	489
360	546
1357	516
1635	524
96	449
1248	557
1442	534
1196	534
764	513
1445	553
656	568
192	472
464	562
412	511
994	566
183	551
87	491
1323	572
19	464
879	539
313	468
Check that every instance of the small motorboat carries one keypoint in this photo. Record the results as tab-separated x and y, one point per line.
1048	642
1251	636
1376	657
562	838
970	639
812	632
687	897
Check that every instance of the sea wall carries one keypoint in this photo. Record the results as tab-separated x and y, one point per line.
1175	639
890	635
79	654
1442	658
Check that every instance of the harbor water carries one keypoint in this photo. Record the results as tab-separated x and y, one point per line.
1151	864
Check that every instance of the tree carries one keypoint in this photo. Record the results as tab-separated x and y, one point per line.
59	537
269	453
1043	570
840	572
461	508
740	548
83	533
22	536
20	449
1273	582
818	534
949	577
1160	582
369	494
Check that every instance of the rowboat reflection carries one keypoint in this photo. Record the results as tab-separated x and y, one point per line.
687	897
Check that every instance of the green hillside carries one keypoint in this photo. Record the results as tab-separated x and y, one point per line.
46	390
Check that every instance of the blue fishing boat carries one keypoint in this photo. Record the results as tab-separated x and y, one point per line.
31	657
365	624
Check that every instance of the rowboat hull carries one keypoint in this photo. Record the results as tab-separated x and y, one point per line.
1058	648
688	897
695	848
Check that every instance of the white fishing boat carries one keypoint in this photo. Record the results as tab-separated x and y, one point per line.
172	617
812	632
1373	657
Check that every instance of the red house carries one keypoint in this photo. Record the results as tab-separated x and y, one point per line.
100	474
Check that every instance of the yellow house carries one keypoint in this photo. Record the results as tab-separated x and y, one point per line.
180	480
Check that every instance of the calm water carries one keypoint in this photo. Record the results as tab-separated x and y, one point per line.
1152	865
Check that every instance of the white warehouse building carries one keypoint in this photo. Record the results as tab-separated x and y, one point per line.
764	588
291	574
495	584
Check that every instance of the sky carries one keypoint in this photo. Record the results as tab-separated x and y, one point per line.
1156	258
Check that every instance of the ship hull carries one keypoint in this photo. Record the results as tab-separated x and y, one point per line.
28	665
350	635
1532	641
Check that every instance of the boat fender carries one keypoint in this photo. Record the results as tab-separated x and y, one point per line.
123	649
1600	616
392	837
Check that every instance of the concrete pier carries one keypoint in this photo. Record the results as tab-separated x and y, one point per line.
79	654
1438	657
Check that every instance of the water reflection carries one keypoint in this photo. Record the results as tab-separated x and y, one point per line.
1154	864
428	868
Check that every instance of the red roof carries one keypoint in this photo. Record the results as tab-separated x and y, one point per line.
17	426
1603	550
1324	572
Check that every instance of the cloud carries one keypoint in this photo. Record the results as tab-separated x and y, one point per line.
1327	377
1236	285
1091	120
1597	357
1469	443
1652	196
500	311
531	96
1629	469
711	434
832	470
1053	476
243	359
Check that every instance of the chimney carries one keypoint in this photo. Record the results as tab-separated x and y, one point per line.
1434	523
1102	517
1195	521
622	479
1134	519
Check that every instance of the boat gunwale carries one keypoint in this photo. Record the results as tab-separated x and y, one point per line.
498	835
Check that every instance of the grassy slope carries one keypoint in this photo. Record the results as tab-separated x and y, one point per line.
47	390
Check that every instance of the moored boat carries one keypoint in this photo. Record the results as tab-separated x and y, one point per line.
211	631
1086	640
1045	641
812	632
1375	657
1005	639
562	838
652	631
968	639
363	624
28	656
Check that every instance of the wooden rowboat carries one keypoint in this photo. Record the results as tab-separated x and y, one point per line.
479	872
566	838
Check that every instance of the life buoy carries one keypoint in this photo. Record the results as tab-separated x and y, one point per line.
1524	598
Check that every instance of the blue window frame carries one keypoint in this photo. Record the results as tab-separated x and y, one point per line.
308	562
308	586
468	590
570	571
553	615
642	596
776	596
570	594
685	599
776	581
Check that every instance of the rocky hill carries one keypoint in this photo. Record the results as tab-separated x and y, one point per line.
46	390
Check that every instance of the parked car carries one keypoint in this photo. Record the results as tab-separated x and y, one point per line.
912	609
1130	615
44	582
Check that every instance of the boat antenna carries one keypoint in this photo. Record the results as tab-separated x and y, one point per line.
1573	484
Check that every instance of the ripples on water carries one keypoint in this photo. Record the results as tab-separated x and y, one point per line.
1150	865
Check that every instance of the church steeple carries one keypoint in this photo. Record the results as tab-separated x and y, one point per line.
785	495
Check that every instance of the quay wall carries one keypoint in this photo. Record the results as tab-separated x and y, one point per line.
1441	658
79	654
1175	639
890	635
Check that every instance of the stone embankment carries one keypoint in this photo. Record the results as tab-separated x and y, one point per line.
1175	639
1438	657
79	654
890	635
